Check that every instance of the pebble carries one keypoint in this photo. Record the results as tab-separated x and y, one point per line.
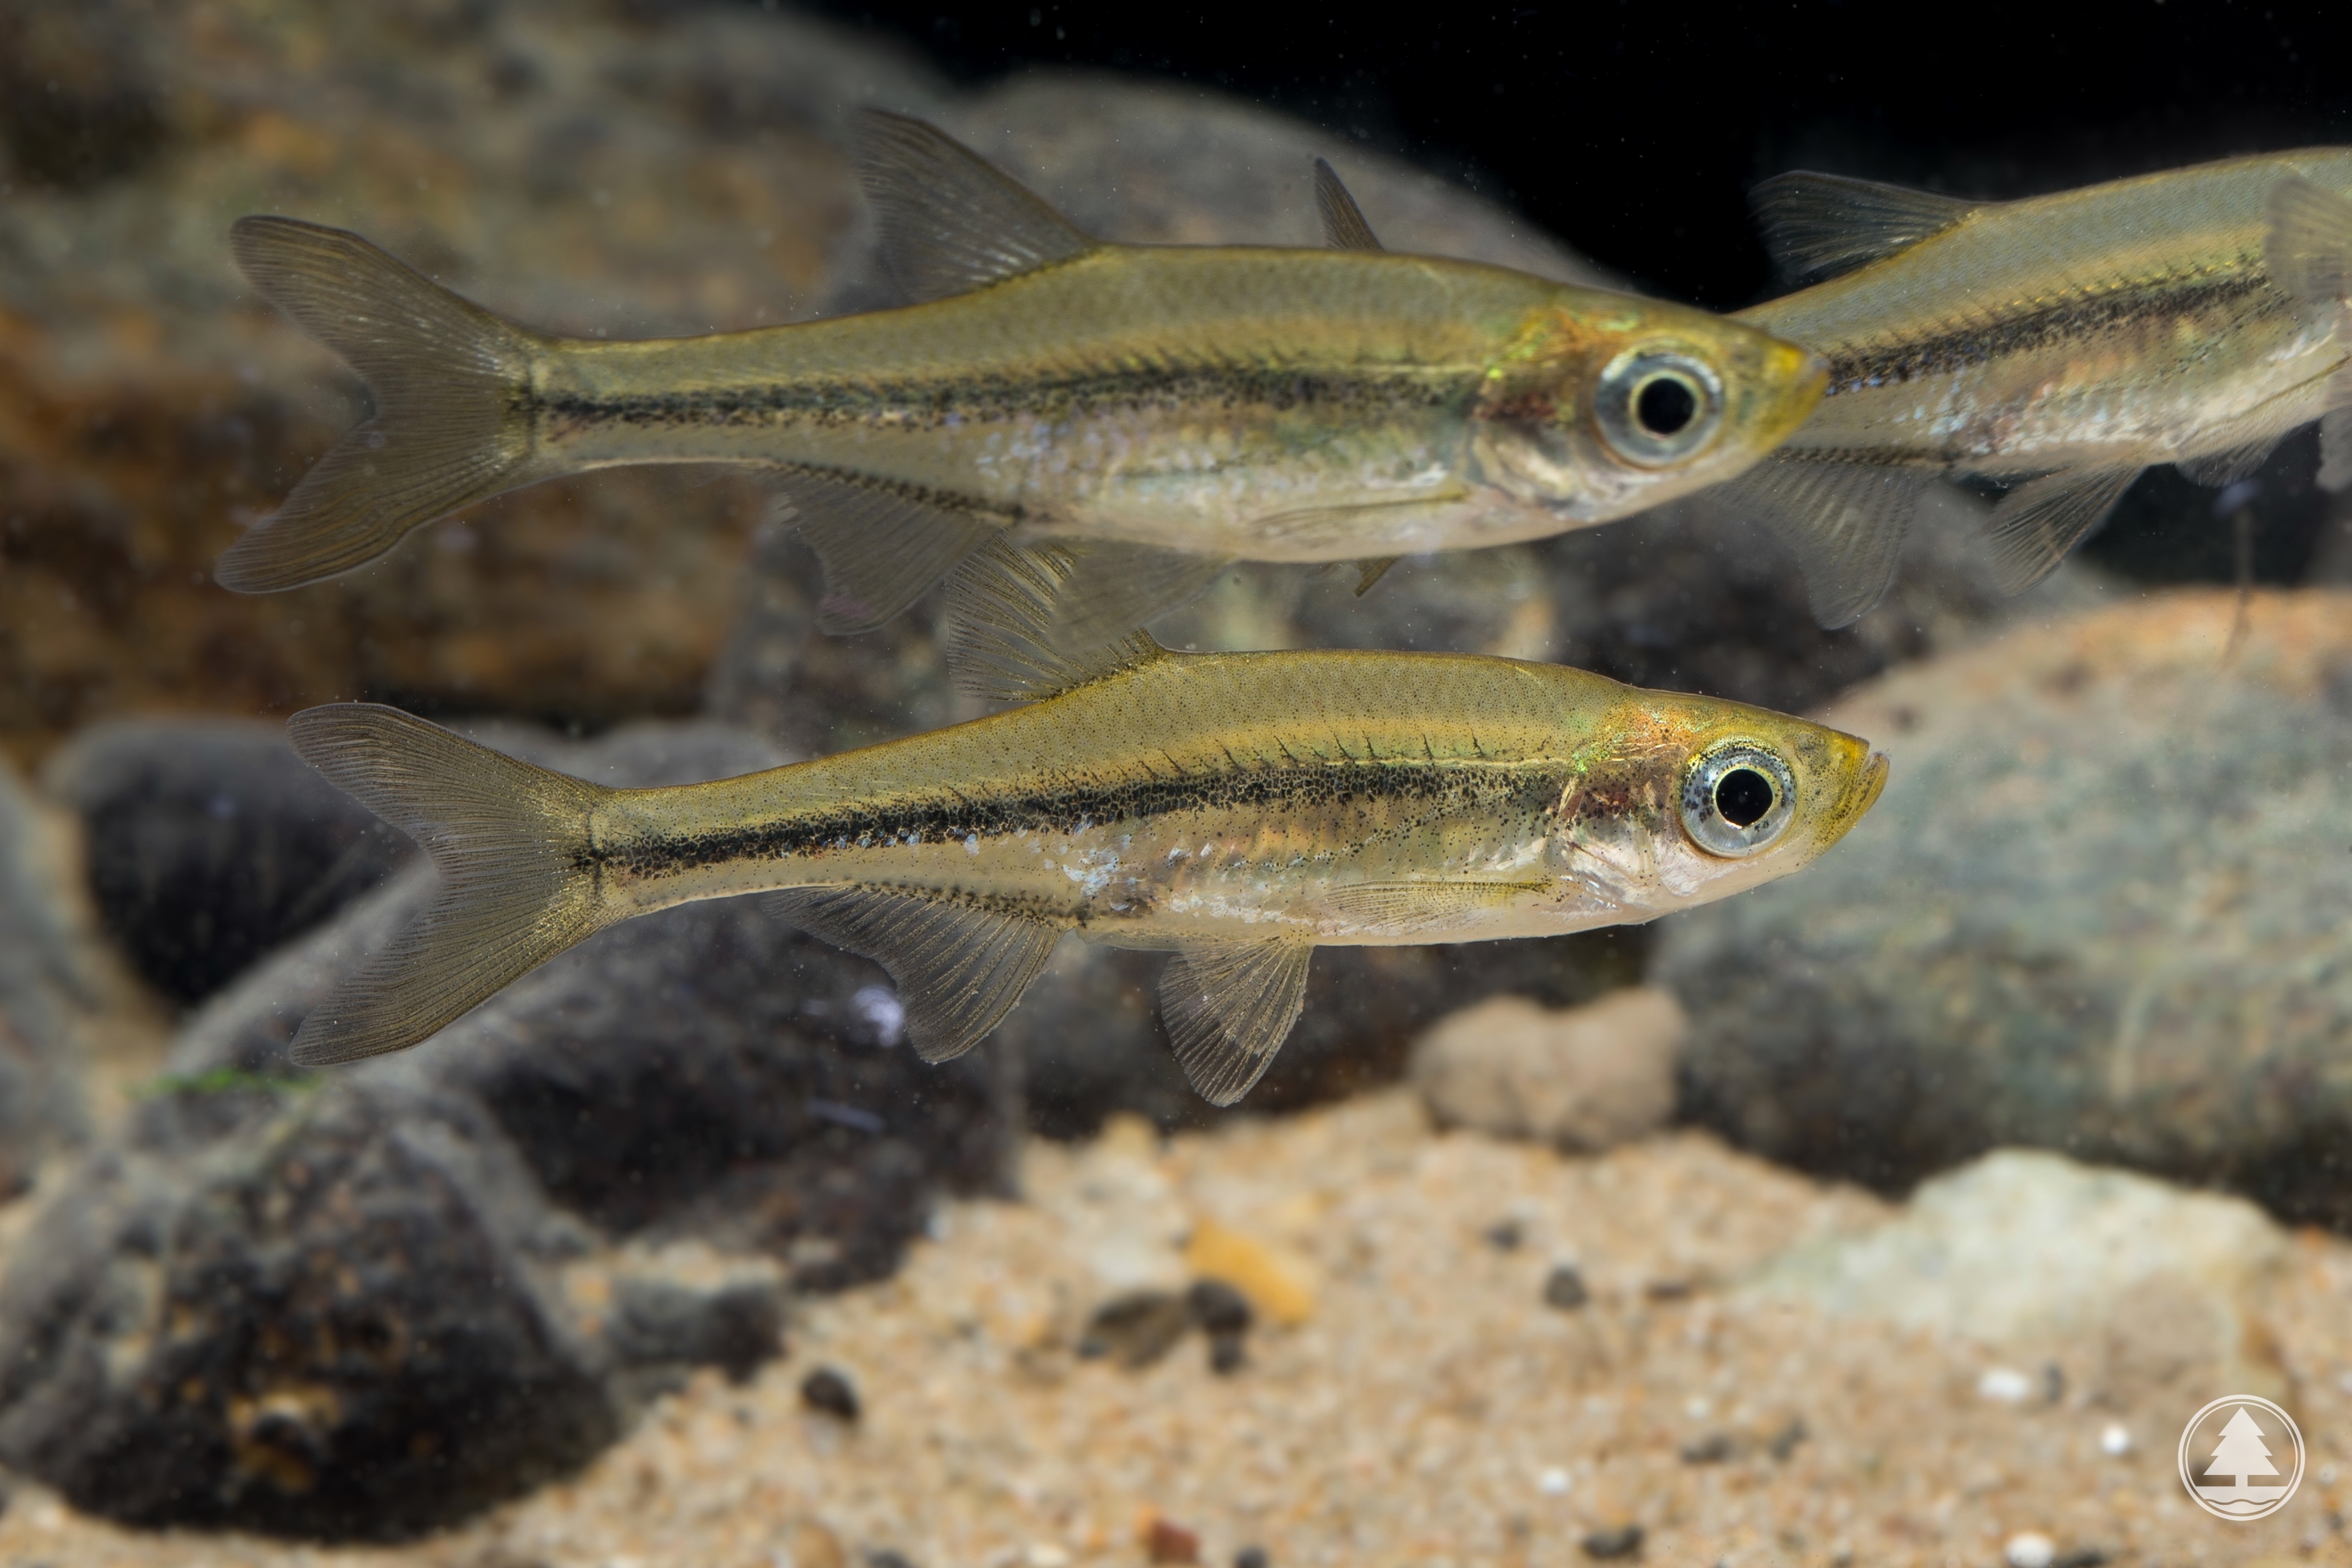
1623	1541
1252	1557
2029	1548
1712	1449
1552	1482
1224	1314
1220	1308
2005	1384
1165	1541
1564	1288
828	1390
1135	1329
1586	1078
2115	1441
1276	1286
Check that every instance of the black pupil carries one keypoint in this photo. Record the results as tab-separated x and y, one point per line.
1743	797
1664	406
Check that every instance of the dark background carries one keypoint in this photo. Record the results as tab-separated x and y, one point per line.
1632	131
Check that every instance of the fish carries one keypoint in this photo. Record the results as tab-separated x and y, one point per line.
1179	407
2057	345
1236	809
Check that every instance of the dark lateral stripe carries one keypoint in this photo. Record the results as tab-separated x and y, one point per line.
930	404
1270	792
2073	321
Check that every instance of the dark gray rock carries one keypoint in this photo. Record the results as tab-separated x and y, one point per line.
330	1327
209	843
2101	908
51	985
330	1306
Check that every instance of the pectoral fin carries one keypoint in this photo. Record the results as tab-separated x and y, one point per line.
2307	248
958	966
1818	225
951	221
881	548
1229	1006
1418	908
1344	227
2036	525
1841	516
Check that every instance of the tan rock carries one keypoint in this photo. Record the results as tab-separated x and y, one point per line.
1584	1078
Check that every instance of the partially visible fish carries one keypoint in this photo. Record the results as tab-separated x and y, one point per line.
1239	809
2059	344
1183	405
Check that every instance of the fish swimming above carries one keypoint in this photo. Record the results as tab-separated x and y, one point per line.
2059	344
1238	809
1179	406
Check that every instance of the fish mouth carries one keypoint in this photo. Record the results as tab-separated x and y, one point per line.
1864	785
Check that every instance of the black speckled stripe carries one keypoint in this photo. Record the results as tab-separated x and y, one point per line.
1427	790
2242	294
927	405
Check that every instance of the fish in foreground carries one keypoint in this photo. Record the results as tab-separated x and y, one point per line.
1239	809
2059	344
1183	406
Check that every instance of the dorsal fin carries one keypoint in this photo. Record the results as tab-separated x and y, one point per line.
2307	246
950	219
1344	227
1011	637
1818	225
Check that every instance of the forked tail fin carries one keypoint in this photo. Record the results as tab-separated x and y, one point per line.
451	381
510	842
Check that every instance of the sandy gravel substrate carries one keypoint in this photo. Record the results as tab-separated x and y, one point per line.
1430	1407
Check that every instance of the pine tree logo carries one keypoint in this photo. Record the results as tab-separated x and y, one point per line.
2231	1458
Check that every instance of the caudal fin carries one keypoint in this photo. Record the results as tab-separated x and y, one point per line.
510	840
451	381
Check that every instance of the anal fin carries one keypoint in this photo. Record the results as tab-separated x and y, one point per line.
882	548
959	963
1371	569
2219	470
2036	525
1842	515
1229	1005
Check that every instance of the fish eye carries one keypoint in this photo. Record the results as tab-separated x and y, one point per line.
1657	407
1738	797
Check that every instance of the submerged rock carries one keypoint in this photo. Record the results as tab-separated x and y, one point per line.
1586	1078
368	1302
208	843
2138	1289
329	1322
52	983
2101	907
